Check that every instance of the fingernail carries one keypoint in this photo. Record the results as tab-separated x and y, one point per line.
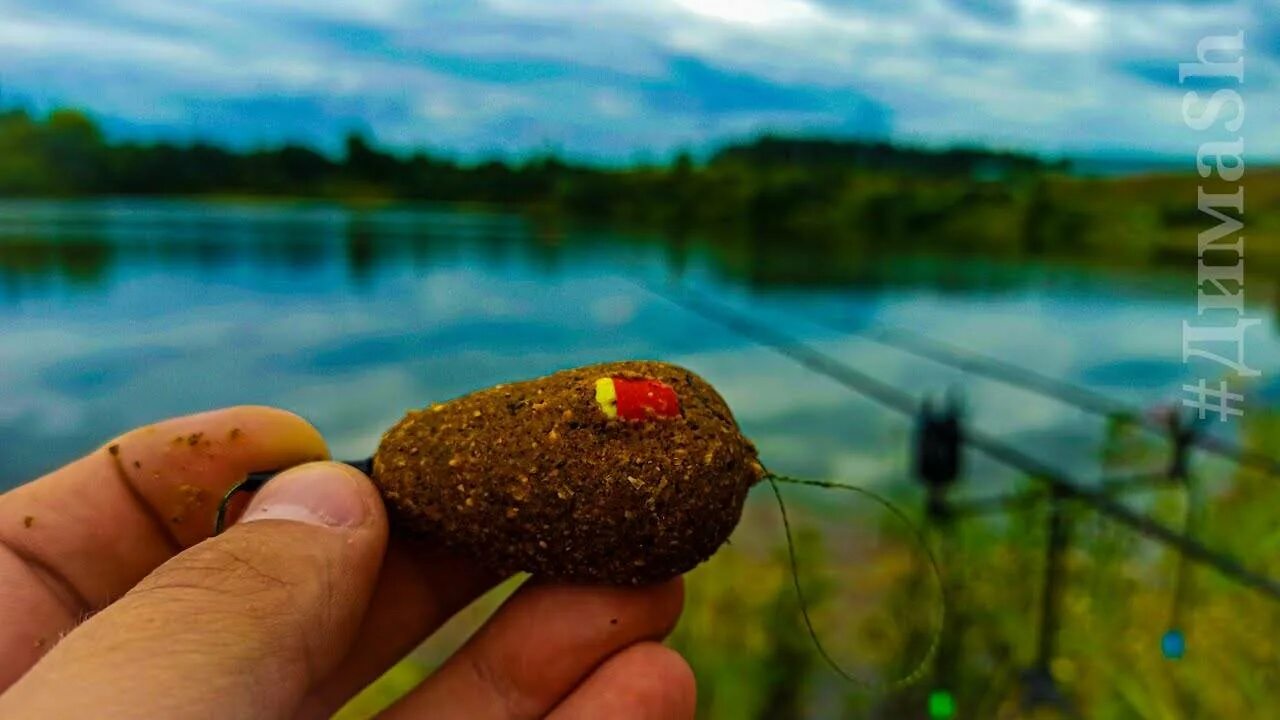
320	493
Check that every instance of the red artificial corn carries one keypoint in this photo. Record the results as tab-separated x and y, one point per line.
636	398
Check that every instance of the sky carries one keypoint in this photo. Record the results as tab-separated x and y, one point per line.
635	81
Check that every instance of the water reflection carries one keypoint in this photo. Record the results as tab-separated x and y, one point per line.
121	312
78	245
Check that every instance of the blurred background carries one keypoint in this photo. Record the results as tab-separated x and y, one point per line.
351	207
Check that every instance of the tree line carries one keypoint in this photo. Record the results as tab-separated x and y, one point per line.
784	197
65	153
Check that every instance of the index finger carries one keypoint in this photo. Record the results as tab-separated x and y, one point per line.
76	539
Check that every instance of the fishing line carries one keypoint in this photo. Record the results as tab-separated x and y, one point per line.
255	481
920	667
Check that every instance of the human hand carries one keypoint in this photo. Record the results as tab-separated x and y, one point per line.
296	607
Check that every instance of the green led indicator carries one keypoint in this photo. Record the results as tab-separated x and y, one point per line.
941	704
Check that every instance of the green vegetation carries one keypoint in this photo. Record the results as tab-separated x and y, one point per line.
66	154
1116	605
769	206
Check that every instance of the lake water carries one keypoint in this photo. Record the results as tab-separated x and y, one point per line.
117	313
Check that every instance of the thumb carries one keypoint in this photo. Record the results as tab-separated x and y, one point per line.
240	625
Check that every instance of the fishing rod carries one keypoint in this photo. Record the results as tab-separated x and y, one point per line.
1060	484
1083	398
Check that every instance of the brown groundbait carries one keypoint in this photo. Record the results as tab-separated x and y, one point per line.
598	474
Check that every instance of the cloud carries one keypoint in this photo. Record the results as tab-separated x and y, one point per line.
612	80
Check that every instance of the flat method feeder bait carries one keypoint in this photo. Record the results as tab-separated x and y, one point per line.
623	473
